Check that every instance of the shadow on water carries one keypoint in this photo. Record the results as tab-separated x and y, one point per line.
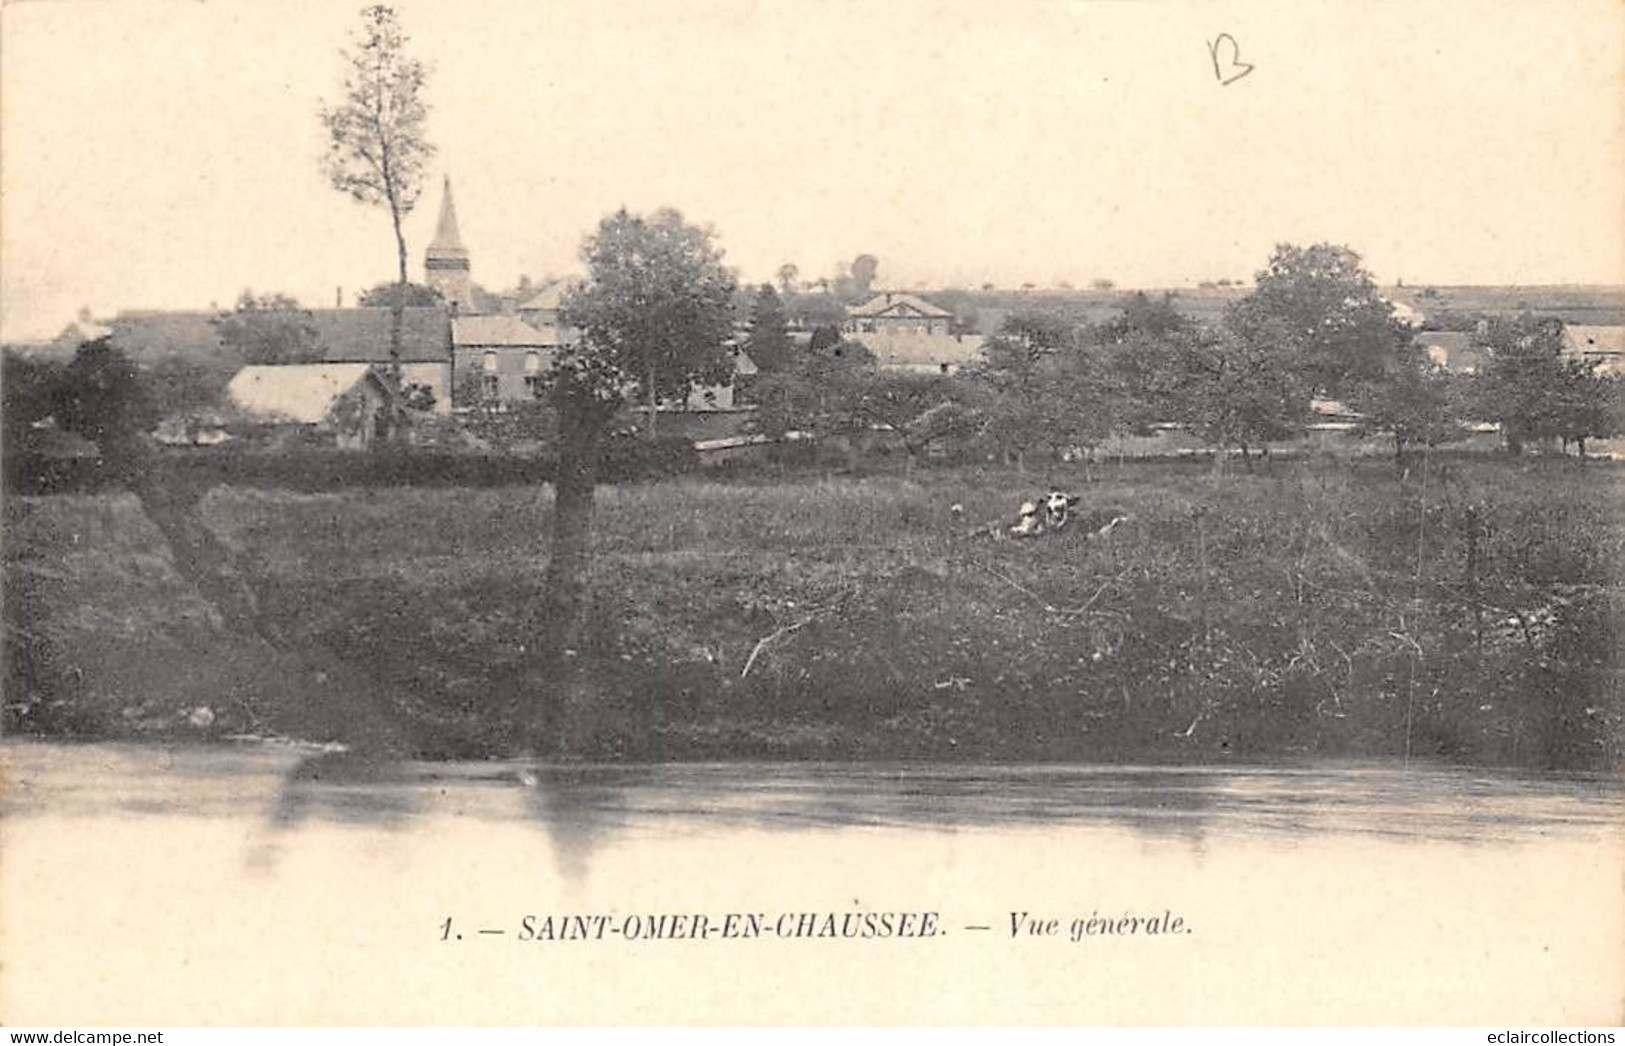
349	787
577	809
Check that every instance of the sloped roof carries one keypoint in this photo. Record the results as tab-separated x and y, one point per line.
1586	338
362	335
548	296
300	392
343	335
908	347
145	334
743	364
901	304
503	331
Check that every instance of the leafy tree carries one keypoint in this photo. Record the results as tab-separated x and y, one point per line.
1591	405
106	399
102	397
1019	378
825	336
768	341
419	397
383	296
843	286
1235	391
1144	371
1141	351
864	269
269	329
1522	384
182	388
655	313
377	144
816	309
819	393
916	408
1414	403
1141	314
787	274
27	393
1325	308
1046	383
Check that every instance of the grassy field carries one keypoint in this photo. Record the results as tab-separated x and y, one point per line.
1311	608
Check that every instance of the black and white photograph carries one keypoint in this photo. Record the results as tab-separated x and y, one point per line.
746	512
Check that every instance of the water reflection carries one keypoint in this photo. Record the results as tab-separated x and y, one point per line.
1297	877
348	787
582	807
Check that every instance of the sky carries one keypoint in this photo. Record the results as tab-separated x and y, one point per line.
166	155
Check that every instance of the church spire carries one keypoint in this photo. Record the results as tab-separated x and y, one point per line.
445	262
447	240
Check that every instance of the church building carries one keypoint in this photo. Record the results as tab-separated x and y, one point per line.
445	263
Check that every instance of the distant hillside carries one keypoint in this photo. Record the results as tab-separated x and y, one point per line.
1571	303
1442	307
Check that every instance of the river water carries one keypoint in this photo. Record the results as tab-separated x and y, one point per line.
264	883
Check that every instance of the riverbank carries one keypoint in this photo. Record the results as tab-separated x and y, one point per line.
1309	608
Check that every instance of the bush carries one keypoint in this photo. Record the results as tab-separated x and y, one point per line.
314	470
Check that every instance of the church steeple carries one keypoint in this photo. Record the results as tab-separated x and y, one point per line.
445	263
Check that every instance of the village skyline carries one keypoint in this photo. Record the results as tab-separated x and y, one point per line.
165	156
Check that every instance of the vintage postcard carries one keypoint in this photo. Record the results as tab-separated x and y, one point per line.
908	512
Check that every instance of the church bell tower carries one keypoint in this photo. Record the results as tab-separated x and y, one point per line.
445	263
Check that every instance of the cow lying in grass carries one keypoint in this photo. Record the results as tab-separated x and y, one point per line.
1049	515
1055	507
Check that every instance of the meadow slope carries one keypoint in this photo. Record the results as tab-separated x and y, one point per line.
1323	607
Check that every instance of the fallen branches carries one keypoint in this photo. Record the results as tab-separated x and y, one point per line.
780	633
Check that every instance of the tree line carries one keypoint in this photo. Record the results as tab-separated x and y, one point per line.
1051	382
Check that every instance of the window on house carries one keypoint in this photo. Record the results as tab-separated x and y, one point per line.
533	375
943	367
488	386
490	363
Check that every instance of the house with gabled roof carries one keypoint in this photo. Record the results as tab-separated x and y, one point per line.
897	311
909	334
501	358
350	400
1604	345
358	336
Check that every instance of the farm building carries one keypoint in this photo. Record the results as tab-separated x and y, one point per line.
897	351
896	312
1605	345
909	334
357	336
350	400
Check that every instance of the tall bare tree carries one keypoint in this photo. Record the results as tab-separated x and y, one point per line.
377	148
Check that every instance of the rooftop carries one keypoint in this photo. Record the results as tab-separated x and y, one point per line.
503	331
298	392
896	303
909	348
